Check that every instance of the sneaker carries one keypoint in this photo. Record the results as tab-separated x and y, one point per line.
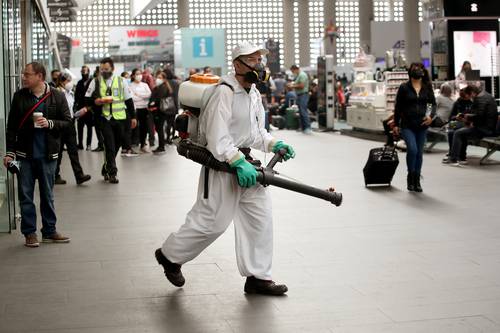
82	179
88	148
98	149
80	147
463	162
55	238
145	149
113	180
448	160
31	241
308	131
159	151
264	287
59	181
131	153
172	271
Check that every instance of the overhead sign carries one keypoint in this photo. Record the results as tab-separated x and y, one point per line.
154	42
62	10
59	12
64	45
61	3
196	48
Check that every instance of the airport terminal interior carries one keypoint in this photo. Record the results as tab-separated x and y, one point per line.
250	166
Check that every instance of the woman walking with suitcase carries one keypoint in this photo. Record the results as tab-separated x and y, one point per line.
414	110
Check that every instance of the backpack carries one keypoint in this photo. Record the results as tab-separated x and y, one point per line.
188	122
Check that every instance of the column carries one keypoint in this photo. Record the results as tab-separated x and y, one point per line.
304	35
288	42
412	31
330	47
365	19
183	13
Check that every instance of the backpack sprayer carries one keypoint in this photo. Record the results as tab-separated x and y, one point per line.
193	96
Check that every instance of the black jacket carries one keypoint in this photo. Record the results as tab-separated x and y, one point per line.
462	106
410	109
485	114
20	140
161	92
80	91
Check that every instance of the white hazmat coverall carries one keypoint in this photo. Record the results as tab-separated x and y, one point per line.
231	120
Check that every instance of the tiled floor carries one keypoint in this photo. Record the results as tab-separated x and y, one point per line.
385	261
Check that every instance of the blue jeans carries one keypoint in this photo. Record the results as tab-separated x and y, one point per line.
460	137
302	101
44	171
415	140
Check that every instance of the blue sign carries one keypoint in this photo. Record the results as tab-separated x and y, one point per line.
197	48
203	47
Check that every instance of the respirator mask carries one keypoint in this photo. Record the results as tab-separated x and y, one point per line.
258	73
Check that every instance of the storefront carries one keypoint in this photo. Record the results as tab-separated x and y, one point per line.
25	37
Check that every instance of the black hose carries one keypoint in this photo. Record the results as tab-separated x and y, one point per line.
265	177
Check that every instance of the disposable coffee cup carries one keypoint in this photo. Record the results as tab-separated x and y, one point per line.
108	99
37	115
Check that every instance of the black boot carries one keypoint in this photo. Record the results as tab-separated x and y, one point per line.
410	179
264	287
416	182
172	271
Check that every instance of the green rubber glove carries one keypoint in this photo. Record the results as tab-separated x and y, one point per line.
290	152
247	175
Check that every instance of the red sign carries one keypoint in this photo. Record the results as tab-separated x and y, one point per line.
142	33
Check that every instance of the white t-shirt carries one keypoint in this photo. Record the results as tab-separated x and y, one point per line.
140	94
126	90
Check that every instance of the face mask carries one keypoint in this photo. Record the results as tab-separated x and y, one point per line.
106	75
417	73
85	76
138	78
256	74
69	86
159	82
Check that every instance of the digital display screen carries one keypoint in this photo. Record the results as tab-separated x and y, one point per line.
475	47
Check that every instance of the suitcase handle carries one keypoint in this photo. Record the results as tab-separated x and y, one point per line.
393	151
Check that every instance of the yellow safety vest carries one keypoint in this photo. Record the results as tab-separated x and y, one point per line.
118	109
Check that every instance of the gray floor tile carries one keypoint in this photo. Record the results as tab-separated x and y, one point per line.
385	261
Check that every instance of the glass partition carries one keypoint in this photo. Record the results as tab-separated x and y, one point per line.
11	57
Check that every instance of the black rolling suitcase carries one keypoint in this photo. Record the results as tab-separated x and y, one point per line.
381	166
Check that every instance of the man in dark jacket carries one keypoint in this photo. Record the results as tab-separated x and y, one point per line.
482	119
87	119
37	116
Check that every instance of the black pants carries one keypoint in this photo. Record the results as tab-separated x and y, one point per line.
170	127
68	138
146	127
86	120
159	120
98	132
112	132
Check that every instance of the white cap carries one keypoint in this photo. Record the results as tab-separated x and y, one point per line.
246	48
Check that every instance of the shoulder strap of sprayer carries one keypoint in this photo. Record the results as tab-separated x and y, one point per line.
205	185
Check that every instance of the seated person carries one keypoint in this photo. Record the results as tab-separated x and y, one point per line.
444	106
289	100
461	107
479	123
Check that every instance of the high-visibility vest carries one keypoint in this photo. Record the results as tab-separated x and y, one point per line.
118	108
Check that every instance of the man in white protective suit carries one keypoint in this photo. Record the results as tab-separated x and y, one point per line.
233	120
